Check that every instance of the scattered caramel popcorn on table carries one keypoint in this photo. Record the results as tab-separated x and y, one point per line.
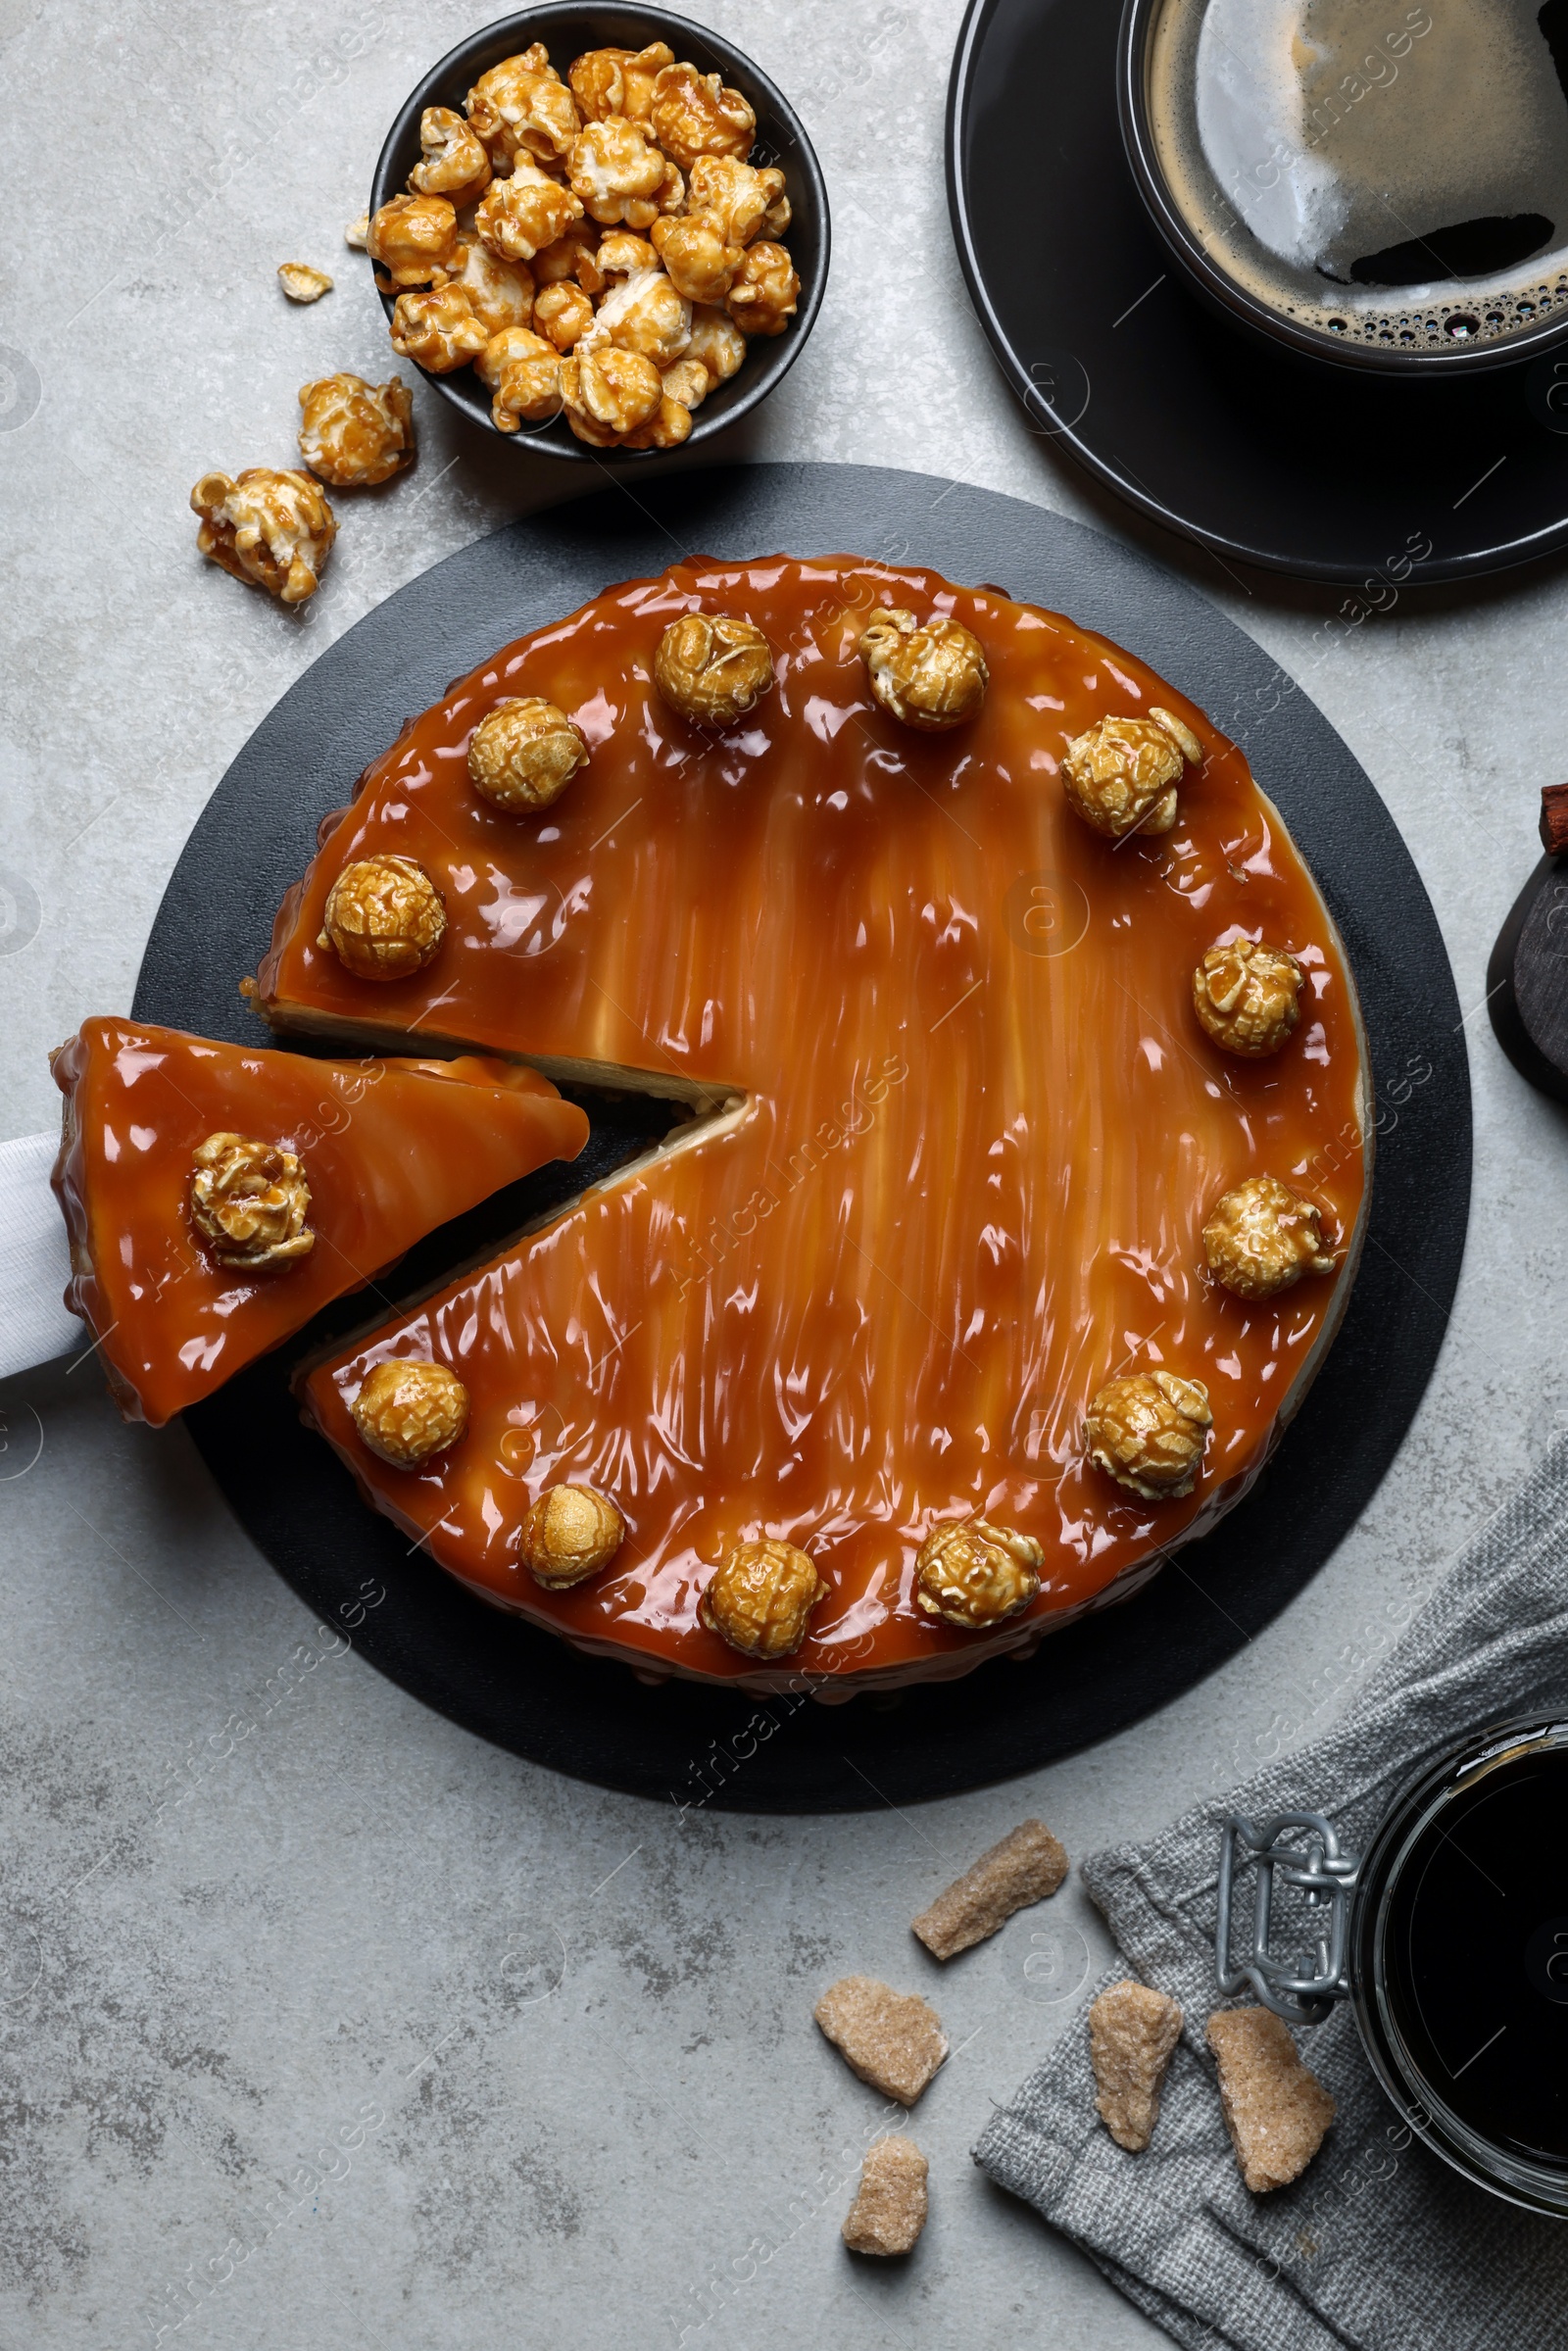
928	674
1276	2111
525	753
301	283
973	1575
890	2210
1246	996
760	1598
1132	2032
1120	774
355	434
384	917
891	2039
1148	1430
408	1412
713	667
250	1200
568	1533
272	530
564	183
1025	1866
1263	1236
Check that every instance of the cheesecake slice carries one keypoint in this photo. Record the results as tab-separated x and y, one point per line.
218	1198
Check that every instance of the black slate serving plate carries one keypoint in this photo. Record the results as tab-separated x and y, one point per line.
1263	458
517	1686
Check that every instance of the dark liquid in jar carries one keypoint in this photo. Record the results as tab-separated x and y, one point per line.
1475	1956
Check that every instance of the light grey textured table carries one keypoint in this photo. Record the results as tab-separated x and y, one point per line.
253	1902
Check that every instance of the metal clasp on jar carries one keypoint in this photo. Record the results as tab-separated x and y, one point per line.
1299	1851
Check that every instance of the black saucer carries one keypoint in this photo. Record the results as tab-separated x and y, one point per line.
1288	463
518	1686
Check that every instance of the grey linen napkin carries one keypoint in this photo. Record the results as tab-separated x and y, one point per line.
1378	2245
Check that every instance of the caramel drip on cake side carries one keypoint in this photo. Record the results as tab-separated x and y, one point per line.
981	1131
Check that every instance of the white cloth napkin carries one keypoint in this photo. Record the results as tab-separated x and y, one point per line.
35	1260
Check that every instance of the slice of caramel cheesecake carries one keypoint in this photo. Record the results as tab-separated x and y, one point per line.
216	1198
1033	1168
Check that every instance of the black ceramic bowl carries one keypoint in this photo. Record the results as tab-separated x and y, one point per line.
1421	309
781	140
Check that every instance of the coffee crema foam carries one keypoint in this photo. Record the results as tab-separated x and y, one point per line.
1376	172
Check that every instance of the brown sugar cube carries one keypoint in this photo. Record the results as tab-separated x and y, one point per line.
1275	2110
1132	2032
1025	1867
891	2040
889	2213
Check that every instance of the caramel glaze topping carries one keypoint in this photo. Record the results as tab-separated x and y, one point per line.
390	1149
980	1135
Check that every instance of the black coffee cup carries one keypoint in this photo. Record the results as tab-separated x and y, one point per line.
1389	196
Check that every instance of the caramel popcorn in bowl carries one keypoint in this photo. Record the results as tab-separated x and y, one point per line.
456	164
694	115
355	434
580	223
272	530
765	292
524	372
523	107
413	238
438	328
618	81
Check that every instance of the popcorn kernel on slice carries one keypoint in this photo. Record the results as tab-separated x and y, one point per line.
1276	2111
889	2212
1026	1866
1132	2032
891	2039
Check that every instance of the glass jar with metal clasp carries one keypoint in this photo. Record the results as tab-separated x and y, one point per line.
1450	1939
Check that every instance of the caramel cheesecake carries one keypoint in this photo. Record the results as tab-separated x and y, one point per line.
1027	1166
216	1198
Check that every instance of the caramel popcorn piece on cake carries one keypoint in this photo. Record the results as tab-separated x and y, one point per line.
1263	1236
891	2039
1120	774
568	1533
713	667
408	1412
1148	1430
928	674
1246	995
1132	2032
762	1596
889	2212
250	1200
1025	1866
973	1575
1276	2111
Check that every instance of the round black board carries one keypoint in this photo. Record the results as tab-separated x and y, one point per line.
1290	464
518	1686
